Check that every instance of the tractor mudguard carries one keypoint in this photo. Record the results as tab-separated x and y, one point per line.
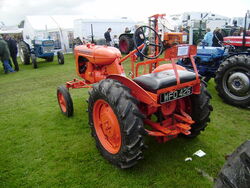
137	91
236	53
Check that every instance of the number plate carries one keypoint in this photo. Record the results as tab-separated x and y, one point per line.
173	95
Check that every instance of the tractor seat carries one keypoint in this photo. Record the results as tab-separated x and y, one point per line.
159	80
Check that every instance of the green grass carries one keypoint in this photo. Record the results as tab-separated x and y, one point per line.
39	147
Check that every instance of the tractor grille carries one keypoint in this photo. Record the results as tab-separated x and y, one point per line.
48	49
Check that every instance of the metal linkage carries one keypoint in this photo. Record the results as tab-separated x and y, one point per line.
76	84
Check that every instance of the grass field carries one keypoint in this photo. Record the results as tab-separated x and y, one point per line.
39	147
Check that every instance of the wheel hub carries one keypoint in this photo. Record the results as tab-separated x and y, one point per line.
107	126
62	102
106	120
238	83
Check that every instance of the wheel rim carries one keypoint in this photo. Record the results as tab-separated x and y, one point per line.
107	126
62	101
123	46
236	83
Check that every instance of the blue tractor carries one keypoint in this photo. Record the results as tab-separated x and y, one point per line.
230	69
207	60
229	65
40	48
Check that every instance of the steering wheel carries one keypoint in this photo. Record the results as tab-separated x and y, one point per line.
225	44
141	36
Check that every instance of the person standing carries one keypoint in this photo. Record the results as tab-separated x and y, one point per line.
217	38
13	50
107	37
127	30
5	56
208	38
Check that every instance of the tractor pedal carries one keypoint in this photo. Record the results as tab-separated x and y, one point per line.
183	119
186	132
183	128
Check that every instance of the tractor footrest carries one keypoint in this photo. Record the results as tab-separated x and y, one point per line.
184	128
183	119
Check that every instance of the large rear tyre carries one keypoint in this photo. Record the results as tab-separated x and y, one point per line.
233	80
24	53
65	101
116	124
236	171
201	109
126	44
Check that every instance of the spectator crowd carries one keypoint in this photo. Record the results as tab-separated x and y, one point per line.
8	52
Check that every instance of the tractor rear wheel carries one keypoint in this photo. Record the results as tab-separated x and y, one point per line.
33	60
233	80
60	58
236	171
126	44
65	101
24	53
201	109
116	124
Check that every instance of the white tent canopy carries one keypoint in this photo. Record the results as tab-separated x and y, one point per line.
52	22
59	28
11	31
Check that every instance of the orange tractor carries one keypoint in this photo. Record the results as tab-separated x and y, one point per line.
161	99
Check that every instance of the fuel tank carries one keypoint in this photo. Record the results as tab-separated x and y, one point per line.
97	54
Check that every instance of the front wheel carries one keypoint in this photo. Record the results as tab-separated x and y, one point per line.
115	123
50	58
65	101
233	80
60	58
24	52
33	60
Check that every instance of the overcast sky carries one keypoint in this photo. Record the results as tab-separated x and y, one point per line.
13	11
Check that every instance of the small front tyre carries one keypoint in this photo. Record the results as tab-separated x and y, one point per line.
33	60
65	101
60	58
233	80
50	59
